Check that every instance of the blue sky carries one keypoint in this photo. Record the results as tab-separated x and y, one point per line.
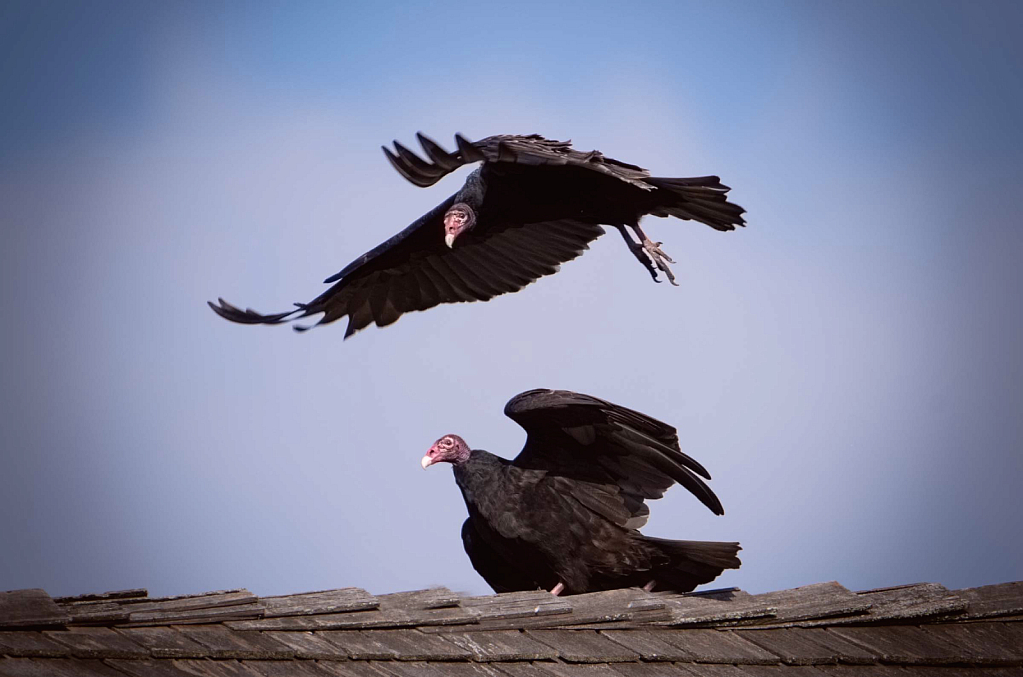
848	367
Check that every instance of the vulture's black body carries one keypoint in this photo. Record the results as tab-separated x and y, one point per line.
567	509
538	203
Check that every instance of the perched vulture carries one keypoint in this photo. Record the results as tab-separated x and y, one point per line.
564	515
532	205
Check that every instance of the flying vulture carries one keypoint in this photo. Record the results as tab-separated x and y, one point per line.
532	205
564	515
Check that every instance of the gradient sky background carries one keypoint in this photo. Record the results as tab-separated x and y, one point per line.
848	367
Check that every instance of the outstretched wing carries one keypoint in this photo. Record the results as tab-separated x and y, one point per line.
531	150
415	270
610	458
698	198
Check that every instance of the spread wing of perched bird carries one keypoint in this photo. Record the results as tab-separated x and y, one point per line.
532	205
564	515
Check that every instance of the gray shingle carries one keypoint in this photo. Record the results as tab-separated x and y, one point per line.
164	642
501	645
326	601
234	612
519	669
382	618
133	593
648	644
515	605
661	669
629	605
223	642
688	610
30	608
206	600
720	646
350	669
30	643
308	645
812	602
807	646
55	667
208	668
157	668
710	670
98	613
889	671
401	644
563	670
97	643
904	644
416	669
292	668
780	671
988	643
431	598
907	602
583	646
1004	599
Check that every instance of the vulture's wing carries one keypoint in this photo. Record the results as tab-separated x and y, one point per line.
415	270
532	150
609	457
499	574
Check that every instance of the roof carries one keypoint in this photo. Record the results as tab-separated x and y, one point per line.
813	630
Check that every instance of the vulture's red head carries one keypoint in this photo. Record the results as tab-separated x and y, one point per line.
457	220
448	449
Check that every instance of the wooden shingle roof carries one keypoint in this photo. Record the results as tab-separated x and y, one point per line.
823	629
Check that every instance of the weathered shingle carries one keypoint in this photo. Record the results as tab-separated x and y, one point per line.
97	643
165	642
649	644
583	646
709	610
818	601
298	668
501	645
308	645
990	642
907	603
183	668
28	643
719	646
398	610
30	608
223	642
807	646
917	630
409	645
521	669
905	644
323	602
56	667
563	670
671	670
990	601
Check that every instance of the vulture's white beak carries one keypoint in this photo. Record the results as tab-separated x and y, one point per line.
449	240
427	461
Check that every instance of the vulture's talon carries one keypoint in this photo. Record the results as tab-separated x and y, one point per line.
654	251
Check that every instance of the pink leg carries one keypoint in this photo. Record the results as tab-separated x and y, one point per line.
649	586
558	589
657	255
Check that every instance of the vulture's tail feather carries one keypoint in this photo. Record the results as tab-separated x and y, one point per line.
701	198
692	563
